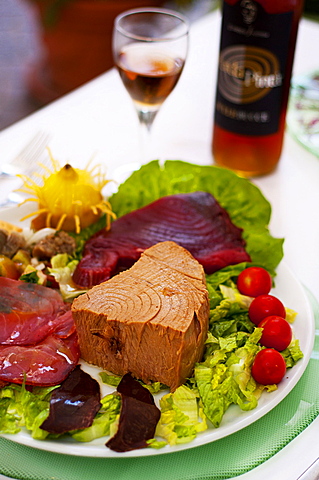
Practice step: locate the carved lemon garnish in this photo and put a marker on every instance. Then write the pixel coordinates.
(68, 198)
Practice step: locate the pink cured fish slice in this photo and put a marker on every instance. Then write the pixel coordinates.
(38, 342)
(30, 312)
(45, 364)
(195, 221)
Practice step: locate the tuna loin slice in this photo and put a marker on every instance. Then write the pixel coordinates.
(195, 221)
(150, 321)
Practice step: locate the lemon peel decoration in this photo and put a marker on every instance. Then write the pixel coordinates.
(68, 198)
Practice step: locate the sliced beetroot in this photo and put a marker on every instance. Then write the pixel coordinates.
(195, 221)
(132, 388)
(74, 404)
(138, 418)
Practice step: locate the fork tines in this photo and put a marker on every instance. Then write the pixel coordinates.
(25, 161)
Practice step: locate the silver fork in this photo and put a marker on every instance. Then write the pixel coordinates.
(25, 161)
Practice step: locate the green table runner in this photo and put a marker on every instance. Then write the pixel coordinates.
(225, 458)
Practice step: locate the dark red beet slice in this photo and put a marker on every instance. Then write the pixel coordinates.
(195, 221)
(138, 418)
(74, 404)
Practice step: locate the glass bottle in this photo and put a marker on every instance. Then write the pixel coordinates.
(257, 46)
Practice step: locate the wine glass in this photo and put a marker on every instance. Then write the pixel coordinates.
(149, 48)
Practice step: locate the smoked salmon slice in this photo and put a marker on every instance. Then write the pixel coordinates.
(195, 221)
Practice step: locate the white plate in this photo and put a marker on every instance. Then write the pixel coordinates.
(292, 294)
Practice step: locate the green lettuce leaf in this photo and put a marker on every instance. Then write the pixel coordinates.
(225, 274)
(292, 353)
(224, 378)
(182, 416)
(86, 233)
(243, 201)
(31, 277)
(22, 408)
(62, 268)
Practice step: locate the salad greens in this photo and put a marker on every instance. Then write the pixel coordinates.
(223, 376)
(20, 407)
(62, 268)
(182, 418)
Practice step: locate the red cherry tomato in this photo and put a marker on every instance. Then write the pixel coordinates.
(254, 281)
(276, 334)
(263, 306)
(269, 367)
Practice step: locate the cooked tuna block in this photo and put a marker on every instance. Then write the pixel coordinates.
(150, 321)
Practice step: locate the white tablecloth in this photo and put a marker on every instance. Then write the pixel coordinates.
(99, 119)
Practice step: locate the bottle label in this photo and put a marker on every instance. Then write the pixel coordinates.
(252, 61)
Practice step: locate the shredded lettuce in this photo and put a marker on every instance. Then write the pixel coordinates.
(290, 315)
(292, 353)
(233, 295)
(20, 407)
(110, 379)
(224, 378)
(182, 416)
(62, 268)
(225, 275)
(154, 443)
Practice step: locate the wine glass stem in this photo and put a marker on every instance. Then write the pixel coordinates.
(146, 121)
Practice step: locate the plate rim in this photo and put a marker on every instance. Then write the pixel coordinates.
(247, 418)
